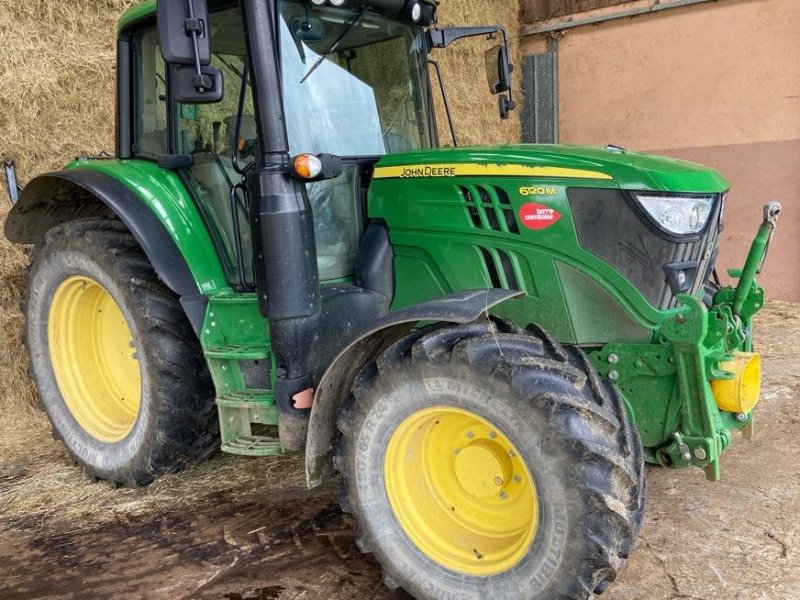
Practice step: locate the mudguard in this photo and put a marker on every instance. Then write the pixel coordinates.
(460, 307)
(152, 205)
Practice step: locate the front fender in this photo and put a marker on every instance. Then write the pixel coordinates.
(460, 307)
(151, 202)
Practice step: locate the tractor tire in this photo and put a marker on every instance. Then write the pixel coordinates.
(119, 370)
(486, 461)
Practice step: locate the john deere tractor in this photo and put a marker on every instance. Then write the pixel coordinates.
(486, 344)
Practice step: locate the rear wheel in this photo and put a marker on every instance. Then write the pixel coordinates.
(484, 461)
(118, 368)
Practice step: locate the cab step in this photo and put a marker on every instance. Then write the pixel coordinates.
(253, 445)
(238, 411)
(259, 405)
(236, 352)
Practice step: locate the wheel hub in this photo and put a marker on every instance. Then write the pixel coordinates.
(94, 359)
(460, 491)
(482, 468)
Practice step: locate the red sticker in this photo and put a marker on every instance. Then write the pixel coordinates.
(538, 216)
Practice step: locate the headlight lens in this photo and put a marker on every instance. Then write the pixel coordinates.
(679, 215)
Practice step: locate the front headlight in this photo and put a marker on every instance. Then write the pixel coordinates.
(678, 215)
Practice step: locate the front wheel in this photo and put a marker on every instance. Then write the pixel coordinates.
(483, 461)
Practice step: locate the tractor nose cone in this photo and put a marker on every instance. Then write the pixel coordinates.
(740, 394)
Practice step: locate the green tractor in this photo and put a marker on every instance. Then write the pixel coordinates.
(487, 344)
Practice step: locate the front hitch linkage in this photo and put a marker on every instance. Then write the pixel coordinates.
(756, 256)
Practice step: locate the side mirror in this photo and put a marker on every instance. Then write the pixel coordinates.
(498, 69)
(183, 84)
(180, 22)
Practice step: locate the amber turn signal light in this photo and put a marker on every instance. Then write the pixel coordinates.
(306, 166)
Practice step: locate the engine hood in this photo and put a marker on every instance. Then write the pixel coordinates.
(593, 166)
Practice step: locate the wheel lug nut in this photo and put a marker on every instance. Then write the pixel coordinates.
(503, 496)
(470, 435)
(498, 481)
(457, 450)
(511, 454)
(492, 435)
(517, 478)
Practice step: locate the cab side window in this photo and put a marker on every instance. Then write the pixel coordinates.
(150, 100)
(208, 133)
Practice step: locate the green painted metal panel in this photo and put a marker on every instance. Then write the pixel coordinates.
(595, 315)
(628, 170)
(164, 193)
(136, 13)
(438, 249)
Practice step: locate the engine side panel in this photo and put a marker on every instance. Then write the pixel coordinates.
(452, 233)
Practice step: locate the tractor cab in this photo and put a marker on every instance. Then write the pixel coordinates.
(353, 82)
(274, 116)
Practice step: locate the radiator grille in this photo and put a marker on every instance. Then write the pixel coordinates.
(609, 227)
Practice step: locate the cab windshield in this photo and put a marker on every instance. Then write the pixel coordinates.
(354, 83)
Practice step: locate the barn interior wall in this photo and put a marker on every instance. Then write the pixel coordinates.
(716, 83)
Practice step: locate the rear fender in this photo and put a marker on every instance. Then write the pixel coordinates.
(161, 217)
(460, 307)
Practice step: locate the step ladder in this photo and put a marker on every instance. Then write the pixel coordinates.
(234, 331)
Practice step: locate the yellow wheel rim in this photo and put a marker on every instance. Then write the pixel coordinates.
(460, 491)
(94, 359)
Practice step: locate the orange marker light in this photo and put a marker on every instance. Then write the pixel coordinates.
(307, 166)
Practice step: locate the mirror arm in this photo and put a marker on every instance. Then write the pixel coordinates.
(445, 100)
(194, 28)
(442, 38)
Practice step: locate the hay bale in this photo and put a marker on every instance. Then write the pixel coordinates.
(474, 108)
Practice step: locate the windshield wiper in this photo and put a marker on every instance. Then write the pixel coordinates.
(354, 21)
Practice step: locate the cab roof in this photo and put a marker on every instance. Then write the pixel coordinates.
(136, 13)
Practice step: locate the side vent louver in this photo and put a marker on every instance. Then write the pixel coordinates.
(500, 269)
(490, 208)
(471, 207)
(508, 212)
(491, 268)
(508, 270)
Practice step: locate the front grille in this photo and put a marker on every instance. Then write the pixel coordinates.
(489, 208)
(609, 227)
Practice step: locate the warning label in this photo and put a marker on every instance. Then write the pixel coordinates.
(538, 216)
